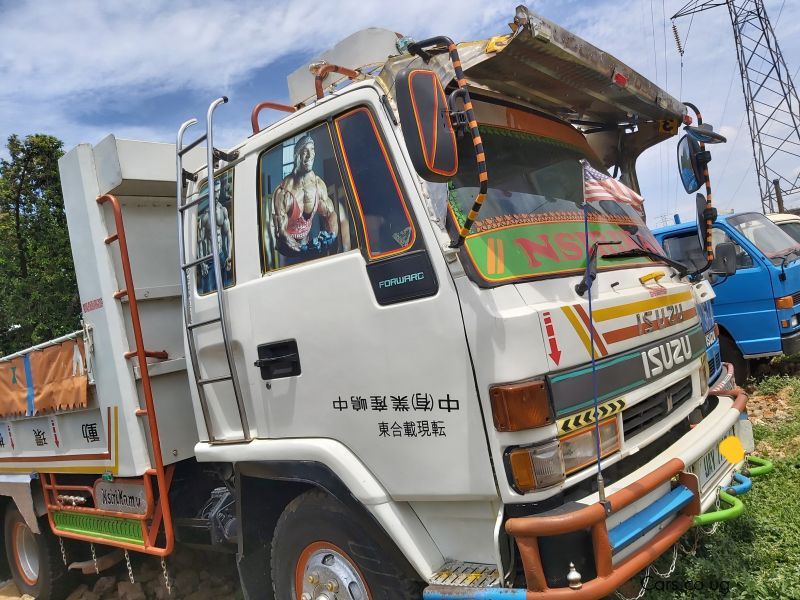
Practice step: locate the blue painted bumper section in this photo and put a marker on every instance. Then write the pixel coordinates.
(636, 526)
(743, 485)
(436, 592)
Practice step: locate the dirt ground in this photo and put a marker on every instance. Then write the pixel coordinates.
(194, 575)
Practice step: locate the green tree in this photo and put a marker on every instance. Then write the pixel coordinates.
(38, 295)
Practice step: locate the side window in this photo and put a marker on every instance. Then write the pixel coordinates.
(387, 222)
(743, 259)
(686, 249)
(302, 201)
(205, 280)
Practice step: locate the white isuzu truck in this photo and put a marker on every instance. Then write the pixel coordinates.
(383, 351)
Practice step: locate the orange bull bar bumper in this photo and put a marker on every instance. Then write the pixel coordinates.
(609, 576)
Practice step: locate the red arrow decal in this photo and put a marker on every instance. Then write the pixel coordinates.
(555, 353)
(55, 433)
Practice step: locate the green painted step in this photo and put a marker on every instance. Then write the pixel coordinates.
(100, 526)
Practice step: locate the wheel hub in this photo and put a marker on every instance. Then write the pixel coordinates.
(328, 575)
(27, 553)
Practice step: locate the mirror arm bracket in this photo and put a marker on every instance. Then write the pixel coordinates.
(458, 118)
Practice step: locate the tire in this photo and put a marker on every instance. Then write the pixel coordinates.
(35, 559)
(730, 353)
(318, 536)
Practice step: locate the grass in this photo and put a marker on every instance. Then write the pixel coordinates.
(757, 555)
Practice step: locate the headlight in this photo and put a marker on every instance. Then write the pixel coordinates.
(580, 449)
(536, 467)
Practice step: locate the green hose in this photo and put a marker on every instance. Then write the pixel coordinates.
(765, 466)
(726, 514)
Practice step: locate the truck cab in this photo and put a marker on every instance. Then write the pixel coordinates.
(756, 307)
(430, 346)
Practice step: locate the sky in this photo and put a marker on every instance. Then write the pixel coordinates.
(82, 69)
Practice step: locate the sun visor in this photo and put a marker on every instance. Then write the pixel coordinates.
(548, 66)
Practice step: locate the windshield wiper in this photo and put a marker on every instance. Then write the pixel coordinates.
(680, 268)
(783, 258)
(591, 268)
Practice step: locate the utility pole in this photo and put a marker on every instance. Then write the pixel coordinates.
(771, 100)
(778, 194)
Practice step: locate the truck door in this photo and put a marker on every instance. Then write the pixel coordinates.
(745, 303)
(353, 331)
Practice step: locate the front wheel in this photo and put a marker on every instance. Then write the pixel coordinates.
(731, 354)
(35, 559)
(319, 550)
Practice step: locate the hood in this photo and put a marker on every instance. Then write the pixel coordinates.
(624, 316)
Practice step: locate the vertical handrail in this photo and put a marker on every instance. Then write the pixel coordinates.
(223, 316)
(187, 315)
(129, 291)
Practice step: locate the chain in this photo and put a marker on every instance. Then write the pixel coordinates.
(693, 550)
(646, 578)
(716, 525)
(167, 583)
(643, 589)
(671, 567)
(94, 559)
(128, 564)
(63, 552)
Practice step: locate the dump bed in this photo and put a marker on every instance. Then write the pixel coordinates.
(83, 395)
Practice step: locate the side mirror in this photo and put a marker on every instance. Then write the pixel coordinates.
(724, 259)
(425, 119)
(692, 159)
(690, 167)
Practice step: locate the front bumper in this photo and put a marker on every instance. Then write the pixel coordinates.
(725, 381)
(645, 515)
(790, 344)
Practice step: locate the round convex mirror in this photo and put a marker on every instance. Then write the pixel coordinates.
(687, 164)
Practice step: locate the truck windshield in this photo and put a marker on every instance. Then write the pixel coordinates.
(531, 224)
(766, 236)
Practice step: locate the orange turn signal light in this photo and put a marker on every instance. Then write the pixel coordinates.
(784, 302)
(519, 406)
(522, 471)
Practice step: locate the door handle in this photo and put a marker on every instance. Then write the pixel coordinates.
(278, 359)
(265, 362)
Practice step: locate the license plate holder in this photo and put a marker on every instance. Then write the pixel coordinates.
(712, 462)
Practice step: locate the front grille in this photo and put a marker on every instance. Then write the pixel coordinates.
(714, 363)
(640, 416)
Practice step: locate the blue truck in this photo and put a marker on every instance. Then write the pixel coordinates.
(757, 307)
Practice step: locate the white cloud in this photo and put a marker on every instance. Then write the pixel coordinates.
(62, 63)
(86, 46)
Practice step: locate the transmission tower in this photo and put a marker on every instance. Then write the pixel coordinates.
(773, 109)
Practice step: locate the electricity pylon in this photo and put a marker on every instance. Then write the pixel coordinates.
(773, 109)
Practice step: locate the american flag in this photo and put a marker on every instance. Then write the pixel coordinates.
(599, 186)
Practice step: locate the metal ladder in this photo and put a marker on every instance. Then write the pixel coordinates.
(187, 265)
